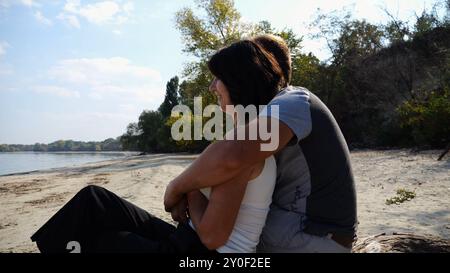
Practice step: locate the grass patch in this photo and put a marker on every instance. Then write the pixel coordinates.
(402, 196)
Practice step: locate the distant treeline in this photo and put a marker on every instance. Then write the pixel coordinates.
(109, 144)
(387, 85)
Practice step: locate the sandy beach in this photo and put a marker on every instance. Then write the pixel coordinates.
(28, 200)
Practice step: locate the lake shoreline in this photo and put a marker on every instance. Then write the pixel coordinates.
(19, 163)
(29, 200)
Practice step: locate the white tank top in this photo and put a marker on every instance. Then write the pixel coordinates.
(253, 211)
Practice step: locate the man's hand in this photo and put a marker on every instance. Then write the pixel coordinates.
(179, 211)
(171, 197)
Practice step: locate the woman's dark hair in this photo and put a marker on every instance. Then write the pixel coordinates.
(278, 47)
(251, 74)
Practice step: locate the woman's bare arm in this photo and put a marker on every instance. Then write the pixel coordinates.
(220, 163)
(214, 219)
(197, 204)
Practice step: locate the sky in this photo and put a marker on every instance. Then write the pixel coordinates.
(83, 70)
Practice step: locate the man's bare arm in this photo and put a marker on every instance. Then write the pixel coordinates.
(220, 162)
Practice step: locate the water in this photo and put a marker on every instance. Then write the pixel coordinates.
(31, 161)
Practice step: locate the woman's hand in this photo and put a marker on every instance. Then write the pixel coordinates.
(172, 197)
(180, 211)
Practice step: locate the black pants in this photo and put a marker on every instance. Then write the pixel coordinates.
(100, 221)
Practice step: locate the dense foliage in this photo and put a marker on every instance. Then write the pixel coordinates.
(386, 85)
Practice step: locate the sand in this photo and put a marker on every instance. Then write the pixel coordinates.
(28, 200)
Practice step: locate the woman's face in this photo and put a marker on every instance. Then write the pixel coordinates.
(221, 91)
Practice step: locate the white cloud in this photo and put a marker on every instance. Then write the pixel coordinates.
(101, 70)
(128, 7)
(72, 5)
(56, 91)
(95, 96)
(128, 108)
(5, 70)
(120, 20)
(27, 3)
(3, 46)
(71, 20)
(42, 19)
(86, 126)
(113, 77)
(98, 13)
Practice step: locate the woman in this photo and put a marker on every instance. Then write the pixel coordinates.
(222, 219)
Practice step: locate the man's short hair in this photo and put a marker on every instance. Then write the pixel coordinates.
(280, 50)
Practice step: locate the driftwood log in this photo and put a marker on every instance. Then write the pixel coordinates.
(401, 243)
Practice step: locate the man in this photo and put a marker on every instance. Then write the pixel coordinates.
(314, 201)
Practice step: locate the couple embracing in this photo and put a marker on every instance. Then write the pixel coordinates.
(236, 197)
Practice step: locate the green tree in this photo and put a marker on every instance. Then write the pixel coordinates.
(305, 67)
(306, 71)
(165, 141)
(171, 98)
(151, 133)
(447, 13)
(38, 147)
(110, 144)
(202, 36)
(130, 140)
(425, 22)
(357, 39)
(292, 40)
(427, 119)
(396, 30)
(149, 124)
(5, 148)
(347, 38)
(218, 26)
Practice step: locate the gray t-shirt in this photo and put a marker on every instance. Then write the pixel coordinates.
(315, 190)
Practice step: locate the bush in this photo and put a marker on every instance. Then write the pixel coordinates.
(402, 196)
(427, 119)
